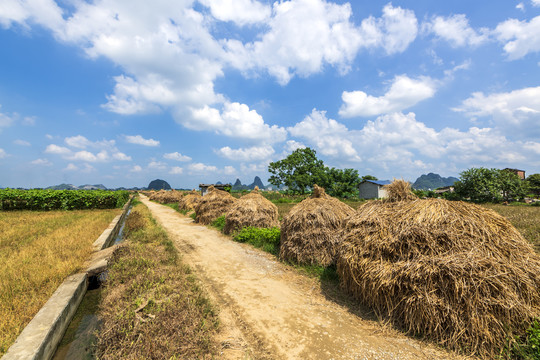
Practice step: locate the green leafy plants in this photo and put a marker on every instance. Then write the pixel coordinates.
(219, 223)
(526, 347)
(266, 239)
(15, 199)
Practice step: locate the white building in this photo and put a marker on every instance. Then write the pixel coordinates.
(372, 189)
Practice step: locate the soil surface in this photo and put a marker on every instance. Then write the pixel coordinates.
(268, 310)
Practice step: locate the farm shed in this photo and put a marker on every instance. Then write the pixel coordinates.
(372, 189)
(204, 187)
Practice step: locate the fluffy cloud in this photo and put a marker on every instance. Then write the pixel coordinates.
(3, 153)
(42, 12)
(535, 2)
(136, 168)
(517, 111)
(201, 169)
(520, 37)
(157, 165)
(238, 121)
(78, 141)
(323, 34)
(403, 93)
(456, 30)
(55, 149)
(85, 168)
(139, 140)
(176, 170)
(241, 12)
(397, 144)
(328, 135)
(121, 156)
(254, 153)
(84, 155)
(42, 162)
(176, 156)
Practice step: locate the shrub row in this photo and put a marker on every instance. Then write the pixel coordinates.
(13, 199)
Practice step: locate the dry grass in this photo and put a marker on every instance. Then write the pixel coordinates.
(399, 190)
(152, 306)
(251, 210)
(38, 250)
(453, 272)
(525, 218)
(166, 197)
(311, 230)
(214, 204)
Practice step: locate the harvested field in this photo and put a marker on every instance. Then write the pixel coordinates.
(38, 251)
(311, 231)
(452, 272)
(213, 205)
(251, 210)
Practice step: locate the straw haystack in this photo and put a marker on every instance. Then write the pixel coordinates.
(166, 197)
(251, 210)
(213, 205)
(189, 201)
(310, 231)
(399, 190)
(453, 272)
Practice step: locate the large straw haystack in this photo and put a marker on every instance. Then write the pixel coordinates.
(189, 201)
(399, 190)
(167, 197)
(213, 205)
(453, 272)
(310, 231)
(251, 210)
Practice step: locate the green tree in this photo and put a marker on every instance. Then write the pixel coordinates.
(368, 177)
(298, 171)
(479, 185)
(342, 183)
(533, 182)
(483, 185)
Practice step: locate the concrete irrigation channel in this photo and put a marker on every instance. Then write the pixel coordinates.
(41, 336)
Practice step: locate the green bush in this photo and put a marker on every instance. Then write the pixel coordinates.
(529, 347)
(14, 199)
(266, 239)
(219, 223)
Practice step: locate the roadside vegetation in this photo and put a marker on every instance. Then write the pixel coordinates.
(38, 250)
(14, 199)
(153, 307)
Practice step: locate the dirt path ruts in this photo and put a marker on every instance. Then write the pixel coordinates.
(268, 311)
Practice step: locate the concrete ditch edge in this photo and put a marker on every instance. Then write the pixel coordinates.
(41, 336)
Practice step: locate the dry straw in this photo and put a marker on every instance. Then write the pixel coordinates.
(213, 205)
(310, 231)
(189, 202)
(166, 197)
(399, 190)
(251, 210)
(453, 272)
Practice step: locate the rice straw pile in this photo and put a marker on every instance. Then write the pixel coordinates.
(399, 190)
(167, 197)
(213, 205)
(310, 231)
(453, 272)
(189, 201)
(251, 210)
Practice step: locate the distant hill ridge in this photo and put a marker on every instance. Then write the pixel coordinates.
(256, 182)
(73, 187)
(433, 181)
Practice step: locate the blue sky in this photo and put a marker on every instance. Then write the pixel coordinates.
(121, 92)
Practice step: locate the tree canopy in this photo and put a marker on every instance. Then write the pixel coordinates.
(302, 169)
(483, 185)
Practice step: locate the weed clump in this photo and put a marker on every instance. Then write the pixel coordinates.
(266, 239)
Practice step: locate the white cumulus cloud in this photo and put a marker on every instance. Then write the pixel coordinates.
(139, 140)
(3, 153)
(43, 162)
(403, 93)
(201, 169)
(519, 37)
(21, 142)
(254, 153)
(176, 170)
(176, 156)
(456, 30)
(55, 149)
(241, 12)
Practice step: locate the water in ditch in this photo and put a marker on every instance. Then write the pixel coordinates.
(80, 337)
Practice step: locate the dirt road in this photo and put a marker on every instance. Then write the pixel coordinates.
(270, 311)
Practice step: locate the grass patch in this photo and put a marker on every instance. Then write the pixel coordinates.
(262, 238)
(219, 223)
(38, 250)
(153, 307)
